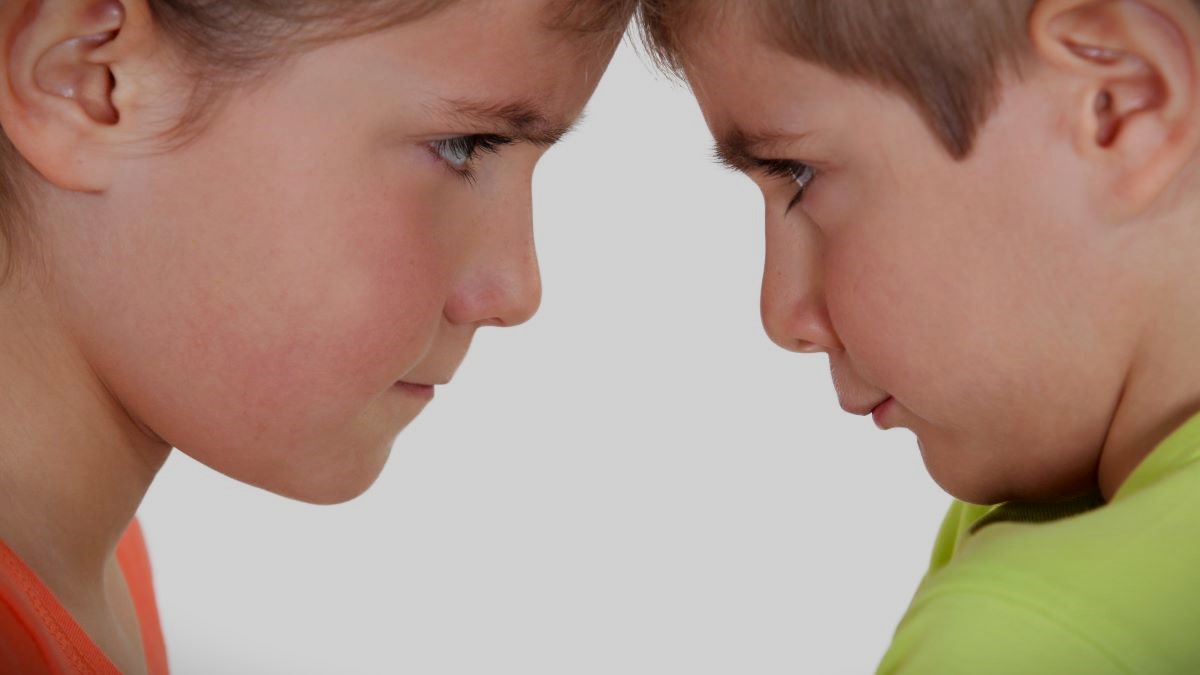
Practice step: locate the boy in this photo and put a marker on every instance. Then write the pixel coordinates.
(258, 232)
(986, 214)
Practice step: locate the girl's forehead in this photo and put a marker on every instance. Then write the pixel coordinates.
(578, 18)
(489, 56)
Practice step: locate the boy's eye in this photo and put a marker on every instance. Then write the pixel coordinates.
(798, 172)
(459, 152)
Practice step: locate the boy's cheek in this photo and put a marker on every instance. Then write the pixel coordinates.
(871, 307)
(903, 324)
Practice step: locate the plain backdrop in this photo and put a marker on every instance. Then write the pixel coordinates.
(637, 481)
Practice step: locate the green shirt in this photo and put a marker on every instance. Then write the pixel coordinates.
(1077, 587)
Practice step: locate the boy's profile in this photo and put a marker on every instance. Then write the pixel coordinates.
(987, 215)
(260, 232)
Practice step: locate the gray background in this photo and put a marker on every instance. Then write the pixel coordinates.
(638, 481)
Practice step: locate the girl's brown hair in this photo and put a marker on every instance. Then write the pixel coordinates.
(226, 45)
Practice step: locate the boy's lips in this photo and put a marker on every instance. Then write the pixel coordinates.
(880, 412)
(864, 409)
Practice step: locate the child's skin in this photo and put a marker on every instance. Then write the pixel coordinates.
(252, 298)
(1032, 311)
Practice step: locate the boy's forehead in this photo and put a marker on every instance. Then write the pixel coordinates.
(681, 32)
(727, 57)
(761, 102)
(753, 92)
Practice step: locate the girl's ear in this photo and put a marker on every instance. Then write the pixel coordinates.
(75, 73)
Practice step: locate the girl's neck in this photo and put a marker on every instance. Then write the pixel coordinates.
(73, 465)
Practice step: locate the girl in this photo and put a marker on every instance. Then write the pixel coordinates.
(261, 232)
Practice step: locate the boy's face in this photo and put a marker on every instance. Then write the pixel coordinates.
(982, 297)
(275, 298)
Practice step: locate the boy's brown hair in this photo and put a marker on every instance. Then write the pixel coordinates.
(945, 56)
(227, 44)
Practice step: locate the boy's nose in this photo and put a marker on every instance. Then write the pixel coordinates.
(794, 312)
(799, 325)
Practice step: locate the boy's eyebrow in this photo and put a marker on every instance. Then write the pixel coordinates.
(736, 148)
(523, 120)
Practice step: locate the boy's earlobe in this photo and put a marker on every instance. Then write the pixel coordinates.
(1132, 70)
(60, 86)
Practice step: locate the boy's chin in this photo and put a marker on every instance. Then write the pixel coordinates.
(949, 475)
(987, 475)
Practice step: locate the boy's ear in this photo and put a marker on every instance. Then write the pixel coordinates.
(1135, 107)
(66, 73)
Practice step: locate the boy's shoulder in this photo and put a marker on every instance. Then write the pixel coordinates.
(1071, 587)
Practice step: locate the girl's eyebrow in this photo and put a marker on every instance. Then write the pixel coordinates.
(523, 120)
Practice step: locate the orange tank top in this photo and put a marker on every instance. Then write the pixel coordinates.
(39, 637)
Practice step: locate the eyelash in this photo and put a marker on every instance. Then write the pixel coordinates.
(468, 147)
(800, 173)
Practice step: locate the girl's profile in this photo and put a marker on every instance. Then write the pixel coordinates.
(261, 233)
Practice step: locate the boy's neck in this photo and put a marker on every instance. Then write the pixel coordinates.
(1162, 388)
(1158, 399)
(73, 465)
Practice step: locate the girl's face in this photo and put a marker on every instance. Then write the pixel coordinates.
(278, 298)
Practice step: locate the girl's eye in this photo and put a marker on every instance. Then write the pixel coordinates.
(461, 151)
(798, 172)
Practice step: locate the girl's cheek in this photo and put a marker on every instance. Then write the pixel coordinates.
(392, 296)
(357, 303)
